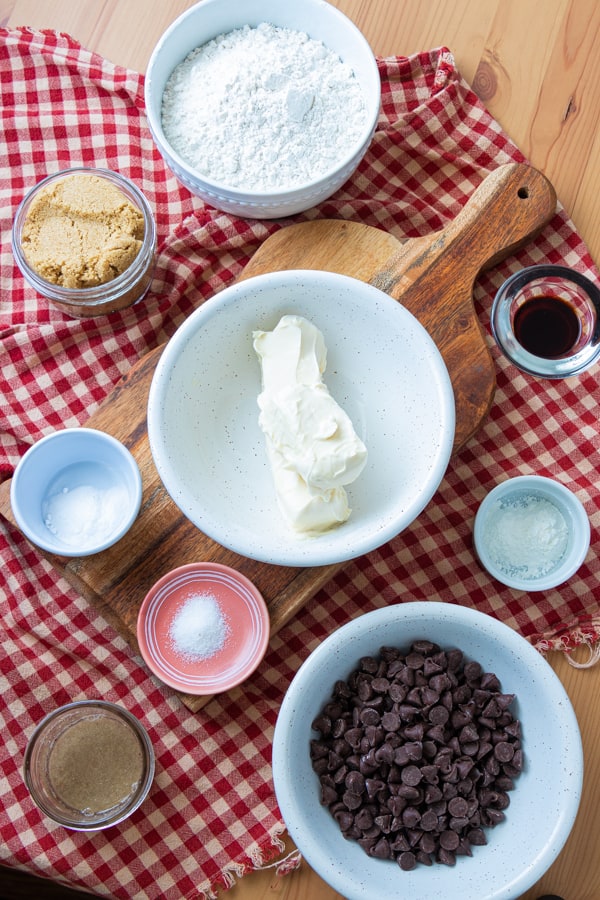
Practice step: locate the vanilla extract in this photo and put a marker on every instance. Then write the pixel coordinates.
(547, 326)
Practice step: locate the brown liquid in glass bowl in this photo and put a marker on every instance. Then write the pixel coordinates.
(547, 326)
(96, 765)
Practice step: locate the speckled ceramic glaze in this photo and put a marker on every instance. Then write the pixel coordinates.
(543, 804)
(382, 368)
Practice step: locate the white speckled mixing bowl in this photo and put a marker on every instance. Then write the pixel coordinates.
(543, 804)
(383, 369)
(210, 18)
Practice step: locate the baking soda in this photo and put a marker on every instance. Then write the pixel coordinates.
(199, 628)
(263, 108)
(84, 515)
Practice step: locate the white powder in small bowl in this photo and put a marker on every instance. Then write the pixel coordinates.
(84, 515)
(199, 629)
(526, 535)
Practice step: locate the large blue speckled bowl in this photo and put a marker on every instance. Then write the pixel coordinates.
(543, 804)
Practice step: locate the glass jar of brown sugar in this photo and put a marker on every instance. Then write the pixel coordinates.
(85, 239)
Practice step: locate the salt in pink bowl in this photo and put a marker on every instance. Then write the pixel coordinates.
(243, 609)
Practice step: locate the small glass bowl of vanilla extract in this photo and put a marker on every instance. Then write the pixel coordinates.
(546, 320)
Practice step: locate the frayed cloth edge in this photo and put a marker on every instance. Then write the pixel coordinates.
(583, 635)
(259, 859)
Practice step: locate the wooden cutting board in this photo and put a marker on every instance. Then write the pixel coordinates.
(432, 276)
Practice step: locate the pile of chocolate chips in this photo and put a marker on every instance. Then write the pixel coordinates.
(416, 754)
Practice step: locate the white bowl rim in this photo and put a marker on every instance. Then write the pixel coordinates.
(219, 190)
(304, 834)
(550, 488)
(45, 542)
(295, 553)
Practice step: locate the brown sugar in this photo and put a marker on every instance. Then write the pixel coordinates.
(81, 232)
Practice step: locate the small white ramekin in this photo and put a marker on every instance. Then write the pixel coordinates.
(519, 489)
(69, 460)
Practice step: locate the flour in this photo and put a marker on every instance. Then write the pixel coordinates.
(526, 536)
(263, 109)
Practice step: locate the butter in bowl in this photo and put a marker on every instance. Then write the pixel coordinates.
(382, 369)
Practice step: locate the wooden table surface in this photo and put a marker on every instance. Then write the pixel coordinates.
(536, 66)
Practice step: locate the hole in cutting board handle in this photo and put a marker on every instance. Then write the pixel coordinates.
(523, 192)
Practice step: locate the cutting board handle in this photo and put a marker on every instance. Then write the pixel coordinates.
(510, 206)
(434, 278)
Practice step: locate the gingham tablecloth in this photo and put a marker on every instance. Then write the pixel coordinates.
(212, 813)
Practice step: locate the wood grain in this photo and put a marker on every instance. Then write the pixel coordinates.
(536, 66)
(432, 276)
(116, 581)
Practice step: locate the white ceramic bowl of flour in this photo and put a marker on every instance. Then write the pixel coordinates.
(76, 492)
(531, 533)
(281, 125)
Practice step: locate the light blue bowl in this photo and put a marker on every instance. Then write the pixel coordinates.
(525, 489)
(543, 805)
(76, 492)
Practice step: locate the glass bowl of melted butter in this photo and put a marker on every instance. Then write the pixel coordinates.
(88, 765)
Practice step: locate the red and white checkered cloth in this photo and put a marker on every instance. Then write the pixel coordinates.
(212, 814)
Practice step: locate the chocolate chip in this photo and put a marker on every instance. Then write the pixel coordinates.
(355, 782)
(504, 751)
(447, 857)
(458, 806)
(381, 850)
(416, 754)
(429, 821)
(477, 837)
(390, 721)
(407, 860)
(369, 716)
(352, 800)
(411, 775)
(438, 715)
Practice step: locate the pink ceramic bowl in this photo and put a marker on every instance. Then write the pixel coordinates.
(242, 614)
